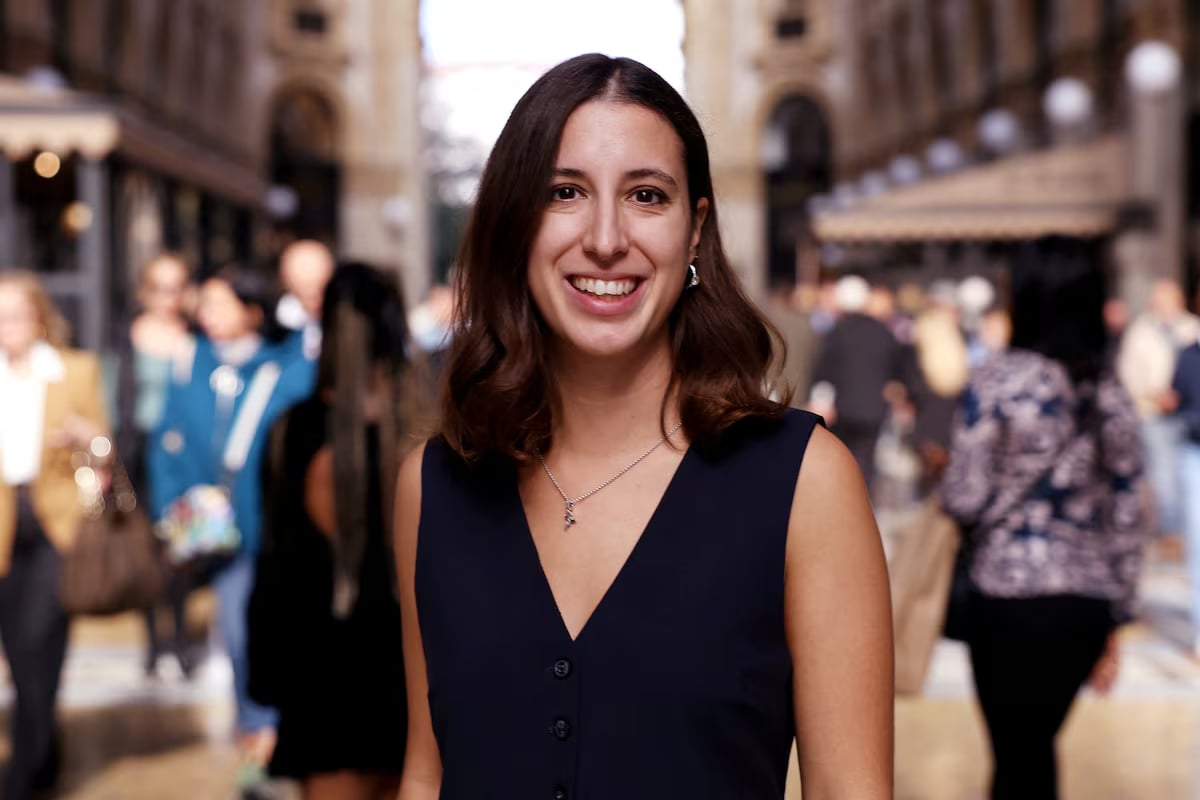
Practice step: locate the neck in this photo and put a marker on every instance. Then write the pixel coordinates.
(613, 404)
(236, 352)
(20, 362)
(163, 318)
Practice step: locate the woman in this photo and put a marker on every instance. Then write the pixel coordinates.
(1044, 472)
(50, 409)
(325, 645)
(158, 336)
(626, 585)
(236, 383)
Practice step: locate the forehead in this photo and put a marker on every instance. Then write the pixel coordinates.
(166, 265)
(621, 136)
(215, 288)
(305, 260)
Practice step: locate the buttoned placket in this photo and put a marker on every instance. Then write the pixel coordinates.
(561, 679)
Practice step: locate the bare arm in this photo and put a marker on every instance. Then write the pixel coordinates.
(839, 630)
(422, 777)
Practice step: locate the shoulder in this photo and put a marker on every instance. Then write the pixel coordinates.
(831, 515)
(408, 498)
(78, 365)
(1017, 371)
(829, 475)
(756, 447)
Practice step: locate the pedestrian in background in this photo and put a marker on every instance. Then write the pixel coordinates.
(325, 644)
(158, 337)
(241, 355)
(1043, 477)
(1146, 364)
(1185, 401)
(860, 358)
(936, 373)
(571, 633)
(51, 408)
(305, 267)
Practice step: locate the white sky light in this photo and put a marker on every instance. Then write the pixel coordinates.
(483, 54)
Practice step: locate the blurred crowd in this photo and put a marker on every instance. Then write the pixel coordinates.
(247, 406)
(239, 405)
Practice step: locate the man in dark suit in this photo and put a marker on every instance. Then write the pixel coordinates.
(858, 359)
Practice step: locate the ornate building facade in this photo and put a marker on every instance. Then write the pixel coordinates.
(214, 127)
(921, 129)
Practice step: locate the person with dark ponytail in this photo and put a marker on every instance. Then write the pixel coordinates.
(325, 645)
(1044, 477)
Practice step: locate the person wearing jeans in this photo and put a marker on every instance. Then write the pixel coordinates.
(1186, 386)
(238, 383)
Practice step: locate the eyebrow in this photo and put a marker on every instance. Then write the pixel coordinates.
(644, 172)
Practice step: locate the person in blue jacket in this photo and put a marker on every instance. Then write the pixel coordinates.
(224, 397)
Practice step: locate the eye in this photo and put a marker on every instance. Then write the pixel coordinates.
(564, 194)
(648, 197)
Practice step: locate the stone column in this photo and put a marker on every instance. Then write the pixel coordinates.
(1153, 71)
(8, 214)
(92, 191)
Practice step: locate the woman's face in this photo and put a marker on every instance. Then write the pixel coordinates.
(222, 316)
(610, 257)
(19, 323)
(164, 288)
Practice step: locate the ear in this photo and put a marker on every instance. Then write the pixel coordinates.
(698, 218)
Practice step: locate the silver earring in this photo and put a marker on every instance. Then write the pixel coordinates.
(693, 278)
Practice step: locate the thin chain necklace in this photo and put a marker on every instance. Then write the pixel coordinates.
(569, 516)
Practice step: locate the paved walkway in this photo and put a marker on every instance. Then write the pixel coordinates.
(129, 738)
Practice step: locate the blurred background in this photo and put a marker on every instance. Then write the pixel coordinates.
(914, 144)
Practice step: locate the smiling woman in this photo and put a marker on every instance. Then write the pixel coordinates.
(571, 632)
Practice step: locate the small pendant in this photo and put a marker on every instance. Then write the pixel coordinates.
(569, 517)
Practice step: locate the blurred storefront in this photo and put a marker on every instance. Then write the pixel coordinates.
(89, 191)
(214, 128)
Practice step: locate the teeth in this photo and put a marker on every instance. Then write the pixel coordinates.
(604, 288)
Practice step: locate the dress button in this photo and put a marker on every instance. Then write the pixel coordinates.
(562, 729)
(560, 794)
(562, 668)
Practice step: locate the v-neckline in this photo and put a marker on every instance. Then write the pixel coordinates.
(638, 545)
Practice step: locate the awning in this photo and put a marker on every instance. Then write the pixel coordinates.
(1077, 190)
(59, 121)
(65, 122)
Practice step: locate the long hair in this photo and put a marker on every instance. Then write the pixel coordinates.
(500, 393)
(1057, 299)
(53, 326)
(365, 345)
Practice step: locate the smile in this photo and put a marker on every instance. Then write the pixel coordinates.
(600, 288)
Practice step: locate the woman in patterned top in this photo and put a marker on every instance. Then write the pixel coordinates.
(1044, 477)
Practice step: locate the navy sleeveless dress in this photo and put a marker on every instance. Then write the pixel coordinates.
(680, 683)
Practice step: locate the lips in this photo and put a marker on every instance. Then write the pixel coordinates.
(604, 288)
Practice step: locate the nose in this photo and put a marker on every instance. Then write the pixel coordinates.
(605, 238)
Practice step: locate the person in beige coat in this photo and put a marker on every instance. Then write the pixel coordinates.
(51, 408)
(1145, 364)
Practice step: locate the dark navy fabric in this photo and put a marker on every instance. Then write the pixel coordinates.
(679, 685)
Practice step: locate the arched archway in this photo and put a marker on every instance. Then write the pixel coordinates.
(305, 158)
(797, 161)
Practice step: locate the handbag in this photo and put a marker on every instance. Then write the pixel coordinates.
(921, 573)
(115, 564)
(199, 528)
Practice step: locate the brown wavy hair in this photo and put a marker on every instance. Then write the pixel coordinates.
(499, 394)
(54, 328)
